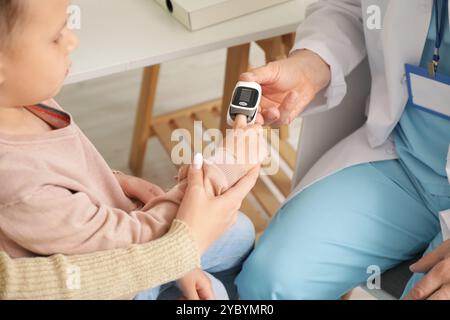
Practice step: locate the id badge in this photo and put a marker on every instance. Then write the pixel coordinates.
(447, 168)
(430, 94)
(444, 218)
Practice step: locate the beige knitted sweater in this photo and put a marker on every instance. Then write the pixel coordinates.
(103, 275)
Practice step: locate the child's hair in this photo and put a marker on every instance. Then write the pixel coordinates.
(9, 13)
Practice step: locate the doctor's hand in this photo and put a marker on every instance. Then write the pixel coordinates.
(289, 85)
(435, 285)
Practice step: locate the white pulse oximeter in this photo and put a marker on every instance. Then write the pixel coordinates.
(245, 100)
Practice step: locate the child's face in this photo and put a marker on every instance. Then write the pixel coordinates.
(34, 66)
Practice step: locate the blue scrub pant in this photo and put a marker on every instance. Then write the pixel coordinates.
(321, 243)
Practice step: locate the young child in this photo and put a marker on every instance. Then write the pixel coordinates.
(58, 195)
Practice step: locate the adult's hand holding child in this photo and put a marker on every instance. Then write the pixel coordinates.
(207, 216)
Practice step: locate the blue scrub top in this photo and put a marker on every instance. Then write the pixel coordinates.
(422, 139)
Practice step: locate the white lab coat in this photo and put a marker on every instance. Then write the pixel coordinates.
(338, 32)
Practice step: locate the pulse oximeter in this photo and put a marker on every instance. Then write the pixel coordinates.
(245, 100)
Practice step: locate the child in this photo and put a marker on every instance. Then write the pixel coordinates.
(58, 194)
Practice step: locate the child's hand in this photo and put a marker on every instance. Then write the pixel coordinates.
(247, 142)
(137, 188)
(196, 286)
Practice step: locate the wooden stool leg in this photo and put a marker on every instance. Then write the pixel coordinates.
(237, 63)
(143, 121)
(274, 48)
(289, 41)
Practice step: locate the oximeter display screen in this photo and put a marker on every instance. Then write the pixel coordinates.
(245, 97)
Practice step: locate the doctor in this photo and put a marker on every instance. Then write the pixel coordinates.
(382, 195)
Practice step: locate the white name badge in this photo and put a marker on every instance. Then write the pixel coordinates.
(432, 94)
(447, 168)
(444, 218)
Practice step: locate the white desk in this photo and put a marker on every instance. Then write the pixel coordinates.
(120, 35)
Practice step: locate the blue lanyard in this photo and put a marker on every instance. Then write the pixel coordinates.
(440, 27)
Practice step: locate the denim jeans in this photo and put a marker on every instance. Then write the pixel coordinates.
(222, 262)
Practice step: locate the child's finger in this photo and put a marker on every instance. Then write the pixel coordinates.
(204, 288)
(205, 291)
(190, 292)
(240, 121)
(156, 190)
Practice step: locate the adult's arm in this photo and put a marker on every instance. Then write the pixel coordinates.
(334, 30)
(103, 275)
